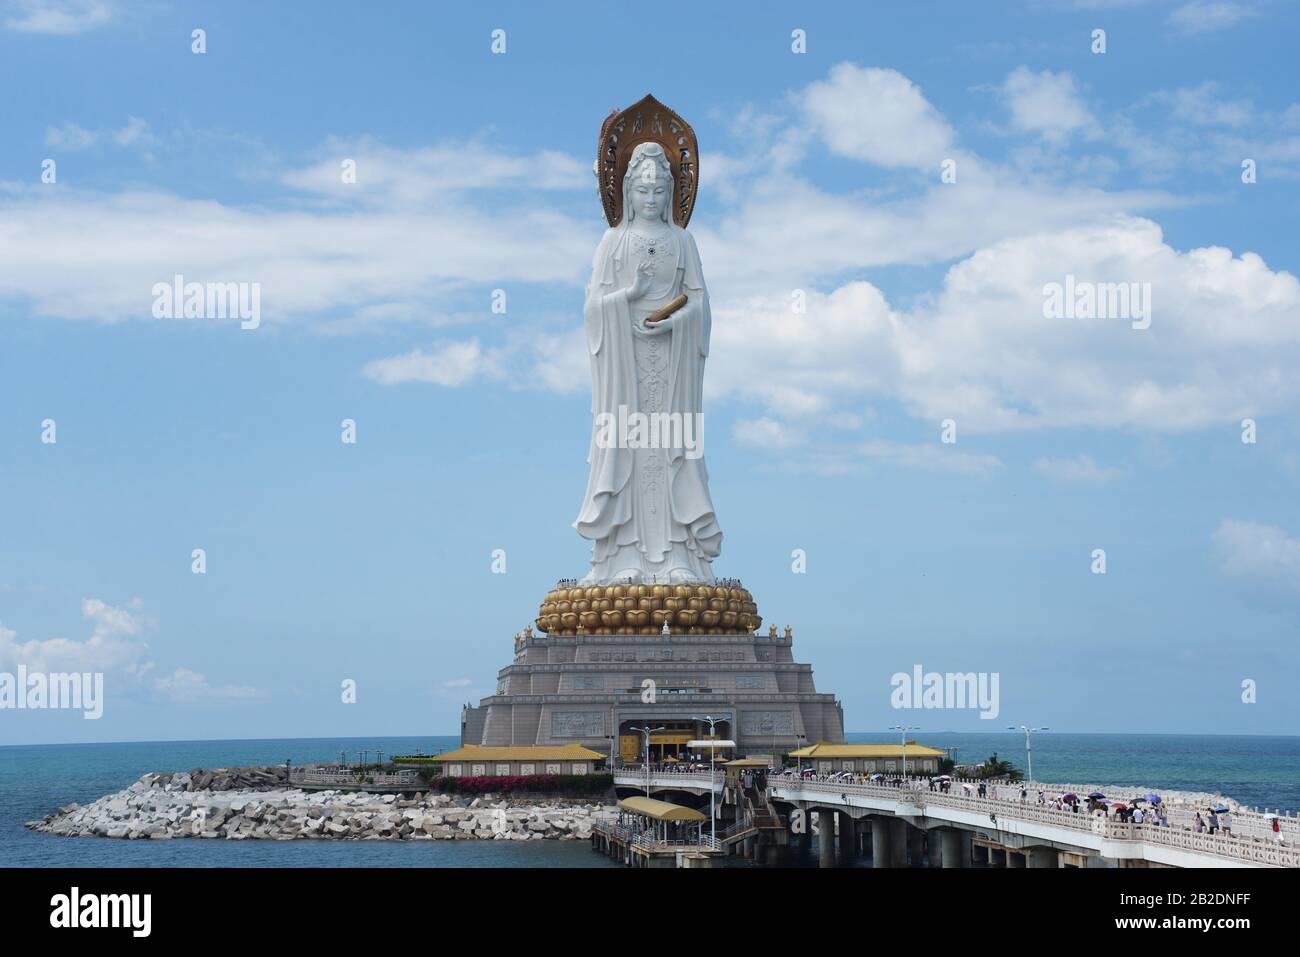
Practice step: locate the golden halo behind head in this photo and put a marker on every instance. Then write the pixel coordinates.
(642, 122)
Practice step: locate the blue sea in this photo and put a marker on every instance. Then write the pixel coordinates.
(1261, 771)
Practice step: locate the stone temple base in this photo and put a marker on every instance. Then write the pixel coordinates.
(605, 669)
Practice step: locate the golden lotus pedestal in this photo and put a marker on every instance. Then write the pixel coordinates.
(637, 609)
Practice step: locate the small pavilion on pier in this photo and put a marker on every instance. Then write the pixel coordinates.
(662, 822)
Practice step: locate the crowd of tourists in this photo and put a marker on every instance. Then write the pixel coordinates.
(1148, 811)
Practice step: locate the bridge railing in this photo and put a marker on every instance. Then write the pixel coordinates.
(652, 843)
(742, 824)
(1240, 847)
(648, 841)
(1024, 812)
(1217, 845)
(1245, 822)
(630, 777)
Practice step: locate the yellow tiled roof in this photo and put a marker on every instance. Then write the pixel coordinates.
(529, 752)
(660, 810)
(824, 750)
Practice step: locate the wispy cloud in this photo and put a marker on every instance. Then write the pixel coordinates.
(1081, 469)
(1207, 16)
(64, 17)
(765, 433)
(116, 649)
(1265, 559)
(184, 686)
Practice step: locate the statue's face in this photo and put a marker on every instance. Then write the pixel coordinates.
(649, 192)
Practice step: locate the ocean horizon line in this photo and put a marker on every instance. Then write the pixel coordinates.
(889, 734)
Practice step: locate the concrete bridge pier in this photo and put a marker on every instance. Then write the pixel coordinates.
(997, 856)
(953, 855)
(801, 840)
(897, 842)
(915, 846)
(825, 838)
(880, 841)
(934, 847)
(1042, 857)
(848, 839)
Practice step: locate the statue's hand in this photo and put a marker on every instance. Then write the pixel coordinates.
(668, 322)
(645, 273)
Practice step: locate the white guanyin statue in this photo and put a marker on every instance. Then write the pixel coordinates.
(647, 510)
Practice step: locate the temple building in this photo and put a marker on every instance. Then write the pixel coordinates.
(825, 757)
(623, 660)
(475, 761)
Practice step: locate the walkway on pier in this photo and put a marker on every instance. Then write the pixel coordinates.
(1010, 823)
(693, 782)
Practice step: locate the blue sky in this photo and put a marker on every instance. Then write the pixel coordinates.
(820, 172)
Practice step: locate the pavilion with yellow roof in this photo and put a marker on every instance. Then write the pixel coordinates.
(474, 760)
(827, 758)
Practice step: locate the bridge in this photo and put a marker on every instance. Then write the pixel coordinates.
(905, 822)
(660, 779)
(902, 820)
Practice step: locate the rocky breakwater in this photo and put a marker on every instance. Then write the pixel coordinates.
(254, 803)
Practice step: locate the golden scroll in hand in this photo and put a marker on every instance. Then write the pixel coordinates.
(661, 314)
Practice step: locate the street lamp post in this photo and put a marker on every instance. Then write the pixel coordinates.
(903, 729)
(1029, 751)
(713, 751)
(647, 731)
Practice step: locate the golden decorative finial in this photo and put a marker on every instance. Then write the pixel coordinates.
(528, 631)
(789, 632)
(771, 631)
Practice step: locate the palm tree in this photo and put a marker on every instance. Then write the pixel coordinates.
(994, 768)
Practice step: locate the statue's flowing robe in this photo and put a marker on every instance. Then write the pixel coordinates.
(620, 509)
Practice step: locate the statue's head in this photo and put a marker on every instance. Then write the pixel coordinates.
(648, 184)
